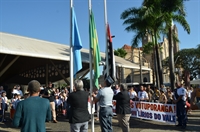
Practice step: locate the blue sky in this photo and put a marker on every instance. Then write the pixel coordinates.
(49, 20)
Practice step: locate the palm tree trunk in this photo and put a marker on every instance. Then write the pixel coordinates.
(155, 64)
(153, 68)
(132, 70)
(156, 69)
(158, 61)
(171, 59)
(140, 63)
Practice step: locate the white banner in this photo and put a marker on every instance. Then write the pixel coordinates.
(153, 111)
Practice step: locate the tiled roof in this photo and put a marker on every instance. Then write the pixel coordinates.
(126, 46)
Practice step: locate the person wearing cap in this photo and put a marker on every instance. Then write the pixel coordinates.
(79, 114)
(105, 97)
(32, 112)
(123, 108)
(180, 95)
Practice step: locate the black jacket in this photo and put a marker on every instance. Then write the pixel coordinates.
(78, 102)
(123, 103)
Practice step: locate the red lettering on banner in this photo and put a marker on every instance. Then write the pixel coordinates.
(155, 107)
(138, 105)
(148, 106)
(170, 109)
(151, 106)
(162, 108)
(166, 108)
(159, 109)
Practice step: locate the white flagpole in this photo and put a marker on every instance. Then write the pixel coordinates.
(106, 22)
(71, 49)
(91, 76)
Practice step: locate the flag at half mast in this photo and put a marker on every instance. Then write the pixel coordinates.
(109, 68)
(77, 45)
(94, 46)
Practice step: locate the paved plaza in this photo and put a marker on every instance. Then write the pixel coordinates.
(137, 125)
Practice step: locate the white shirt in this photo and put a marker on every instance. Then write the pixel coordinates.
(132, 94)
(142, 95)
(182, 91)
(20, 92)
(5, 99)
(15, 91)
(116, 91)
(58, 102)
(189, 93)
(15, 103)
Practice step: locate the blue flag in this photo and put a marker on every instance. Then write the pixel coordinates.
(76, 43)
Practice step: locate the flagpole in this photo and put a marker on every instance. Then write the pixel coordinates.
(91, 75)
(71, 49)
(106, 22)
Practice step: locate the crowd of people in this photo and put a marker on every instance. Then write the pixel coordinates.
(158, 95)
(54, 101)
(183, 97)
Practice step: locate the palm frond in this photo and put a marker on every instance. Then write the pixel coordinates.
(182, 21)
(129, 12)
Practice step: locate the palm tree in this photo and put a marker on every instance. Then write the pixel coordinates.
(174, 11)
(142, 21)
(151, 18)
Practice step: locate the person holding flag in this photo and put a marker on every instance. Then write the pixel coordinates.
(105, 94)
(105, 97)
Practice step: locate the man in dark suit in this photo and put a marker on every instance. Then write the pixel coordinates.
(78, 101)
(123, 109)
(32, 112)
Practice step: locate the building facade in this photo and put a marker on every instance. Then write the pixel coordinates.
(133, 55)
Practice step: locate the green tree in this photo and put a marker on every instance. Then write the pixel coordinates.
(174, 11)
(142, 21)
(154, 17)
(120, 52)
(188, 60)
(198, 50)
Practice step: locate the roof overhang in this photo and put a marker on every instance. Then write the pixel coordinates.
(34, 54)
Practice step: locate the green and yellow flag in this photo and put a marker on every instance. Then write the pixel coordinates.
(94, 46)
